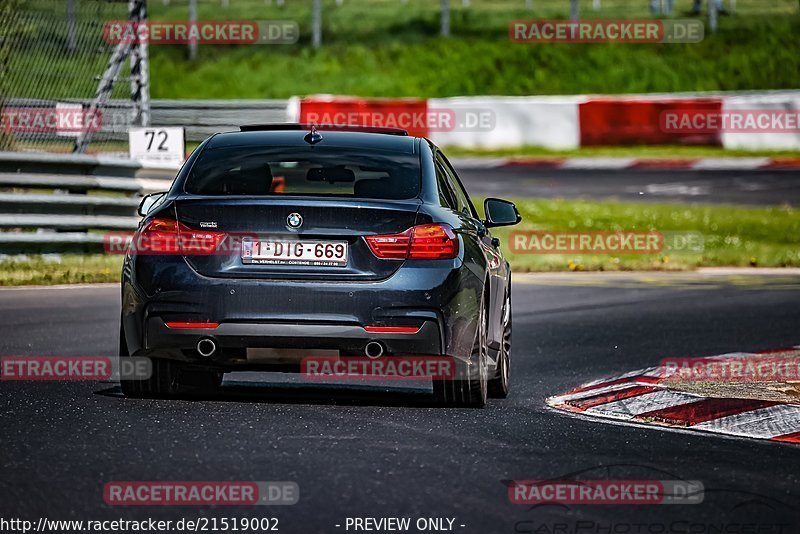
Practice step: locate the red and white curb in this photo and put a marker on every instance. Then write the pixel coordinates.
(640, 397)
(653, 164)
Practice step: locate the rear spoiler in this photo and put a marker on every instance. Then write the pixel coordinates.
(285, 127)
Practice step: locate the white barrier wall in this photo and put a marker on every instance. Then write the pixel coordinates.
(550, 122)
(782, 101)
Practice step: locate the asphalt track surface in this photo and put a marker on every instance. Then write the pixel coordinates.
(376, 451)
(749, 187)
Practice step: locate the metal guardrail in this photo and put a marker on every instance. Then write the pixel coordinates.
(200, 118)
(56, 203)
(40, 162)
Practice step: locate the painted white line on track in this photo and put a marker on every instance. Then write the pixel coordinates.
(730, 164)
(61, 286)
(598, 163)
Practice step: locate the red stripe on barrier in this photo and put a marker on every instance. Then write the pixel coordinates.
(794, 437)
(535, 162)
(704, 410)
(664, 163)
(605, 398)
(409, 114)
(638, 122)
(783, 163)
(626, 380)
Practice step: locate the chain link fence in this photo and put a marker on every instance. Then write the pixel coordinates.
(53, 57)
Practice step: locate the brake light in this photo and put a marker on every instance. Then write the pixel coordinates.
(186, 324)
(167, 236)
(421, 242)
(393, 329)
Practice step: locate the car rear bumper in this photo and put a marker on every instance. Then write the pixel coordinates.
(440, 298)
(343, 337)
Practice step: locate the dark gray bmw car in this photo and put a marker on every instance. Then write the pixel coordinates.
(289, 238)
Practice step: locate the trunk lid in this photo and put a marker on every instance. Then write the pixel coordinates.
(245, 220)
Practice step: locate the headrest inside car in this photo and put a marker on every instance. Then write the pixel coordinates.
(330, 175)
(250, 180)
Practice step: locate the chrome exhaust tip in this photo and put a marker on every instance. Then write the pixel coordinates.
(374, 349)
(206, 347)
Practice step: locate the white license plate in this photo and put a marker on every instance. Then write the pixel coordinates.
(293, 252)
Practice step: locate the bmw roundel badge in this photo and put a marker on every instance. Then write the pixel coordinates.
(294, 220)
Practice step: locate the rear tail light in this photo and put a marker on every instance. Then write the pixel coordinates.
(168, 236)
(191, 324)
(393, 329)
(421, 242)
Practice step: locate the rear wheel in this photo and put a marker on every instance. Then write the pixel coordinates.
(499, 385)
(473, 391)
(169, 378)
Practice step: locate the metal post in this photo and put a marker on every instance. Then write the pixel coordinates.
(596, 5)
(575, 10)
(192, 21)
(445, 18)
(71, 33)
(712, 15)
(103, 92)
(528, 4)
(316, 23)
(140, 67)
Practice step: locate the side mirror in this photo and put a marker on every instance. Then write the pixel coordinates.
(149, 202)
(500, 213)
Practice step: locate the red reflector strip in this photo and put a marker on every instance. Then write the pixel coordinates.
(192, 325)
(392, 329)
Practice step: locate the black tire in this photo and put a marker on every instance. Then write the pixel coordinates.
(169, 378)
(500, 384)
(472, 392)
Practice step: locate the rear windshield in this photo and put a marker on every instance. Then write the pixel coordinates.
(316, 171)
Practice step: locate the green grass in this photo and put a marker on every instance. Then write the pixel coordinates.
(411, 60)
(387, 48)
(59, 269)
(733, 236)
